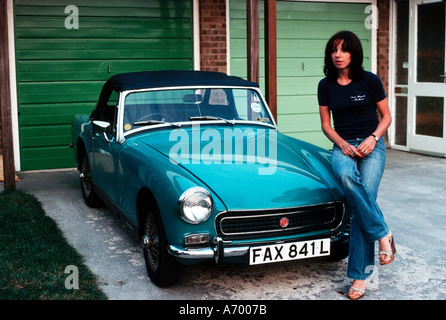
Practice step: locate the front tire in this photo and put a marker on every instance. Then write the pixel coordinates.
(163, 269)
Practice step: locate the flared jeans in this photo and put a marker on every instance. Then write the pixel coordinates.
(360, 178)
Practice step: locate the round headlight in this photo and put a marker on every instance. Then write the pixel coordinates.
(195, 205)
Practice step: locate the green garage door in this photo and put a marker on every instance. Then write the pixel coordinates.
(65, 54)
(303, 29)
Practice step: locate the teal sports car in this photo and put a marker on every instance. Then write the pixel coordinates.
(194, 163)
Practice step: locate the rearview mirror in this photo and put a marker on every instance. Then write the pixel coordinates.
(195, 98)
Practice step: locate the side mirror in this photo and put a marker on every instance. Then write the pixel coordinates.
(100, 126)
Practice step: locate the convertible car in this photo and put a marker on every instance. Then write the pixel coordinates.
(194, 162)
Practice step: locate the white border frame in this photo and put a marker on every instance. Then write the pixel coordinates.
(411, 86)
(417, 142)
(196, 34)
(392, 78)
(13, 85)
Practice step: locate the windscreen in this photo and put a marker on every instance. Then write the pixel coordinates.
(145, 108)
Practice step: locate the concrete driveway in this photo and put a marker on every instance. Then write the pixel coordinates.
(412, 197)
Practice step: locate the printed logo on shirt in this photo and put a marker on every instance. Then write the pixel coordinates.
(358, 97)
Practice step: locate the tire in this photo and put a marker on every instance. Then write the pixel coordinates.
(163, 269)
(90, 197)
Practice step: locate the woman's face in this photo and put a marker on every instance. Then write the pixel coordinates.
(341, 59)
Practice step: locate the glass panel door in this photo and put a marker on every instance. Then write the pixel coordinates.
(430, 42)
(427, 88)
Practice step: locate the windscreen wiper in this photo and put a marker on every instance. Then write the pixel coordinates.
(150, 122)
(198, 118)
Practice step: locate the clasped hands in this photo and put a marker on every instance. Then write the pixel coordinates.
(361, 151)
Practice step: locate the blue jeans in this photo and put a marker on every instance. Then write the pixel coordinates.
(360, 178)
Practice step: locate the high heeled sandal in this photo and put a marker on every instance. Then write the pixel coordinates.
(390, 253)
(353, 289)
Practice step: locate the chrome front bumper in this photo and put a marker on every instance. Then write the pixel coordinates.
(215, 251)
(218, 251)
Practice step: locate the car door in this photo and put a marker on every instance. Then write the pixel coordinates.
(105, 148)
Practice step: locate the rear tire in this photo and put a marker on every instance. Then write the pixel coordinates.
(163, 269)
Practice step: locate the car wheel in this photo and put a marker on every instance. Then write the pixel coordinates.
(90, 197)
(163, 269)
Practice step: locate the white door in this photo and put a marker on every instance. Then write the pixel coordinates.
(427, 82)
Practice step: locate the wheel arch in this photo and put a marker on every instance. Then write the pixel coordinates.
(80, 150)
(144, 200)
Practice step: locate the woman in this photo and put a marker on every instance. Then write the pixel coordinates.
(353, 96)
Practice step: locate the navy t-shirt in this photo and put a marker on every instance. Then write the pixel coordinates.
(354, 105)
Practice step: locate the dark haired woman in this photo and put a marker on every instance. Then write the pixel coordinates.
(353, 96)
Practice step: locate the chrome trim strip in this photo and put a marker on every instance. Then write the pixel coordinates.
(341, 220)
(282, 208)
(207, 253)
(186, 253)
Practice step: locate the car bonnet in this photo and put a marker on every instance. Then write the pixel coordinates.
(257, 169)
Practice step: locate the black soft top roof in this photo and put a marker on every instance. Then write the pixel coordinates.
(173, 78)
(170, 78)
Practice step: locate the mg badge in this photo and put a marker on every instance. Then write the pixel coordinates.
(284, 222)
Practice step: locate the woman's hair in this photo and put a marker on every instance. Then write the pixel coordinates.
(351, 44)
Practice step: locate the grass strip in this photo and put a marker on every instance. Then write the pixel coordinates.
(34, 255)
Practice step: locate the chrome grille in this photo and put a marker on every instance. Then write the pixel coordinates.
(239, 225)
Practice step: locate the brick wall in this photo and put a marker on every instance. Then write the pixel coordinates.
(1, 140)
(213, 35)
(383, 47)
(383, 43)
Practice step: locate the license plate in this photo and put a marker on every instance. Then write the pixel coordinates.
(289, 251)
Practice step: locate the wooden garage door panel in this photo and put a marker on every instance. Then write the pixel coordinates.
(303, 29)
(82, 69)
(60, 71)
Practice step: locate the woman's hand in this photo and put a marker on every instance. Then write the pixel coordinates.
(349, 150)
(366, 146)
